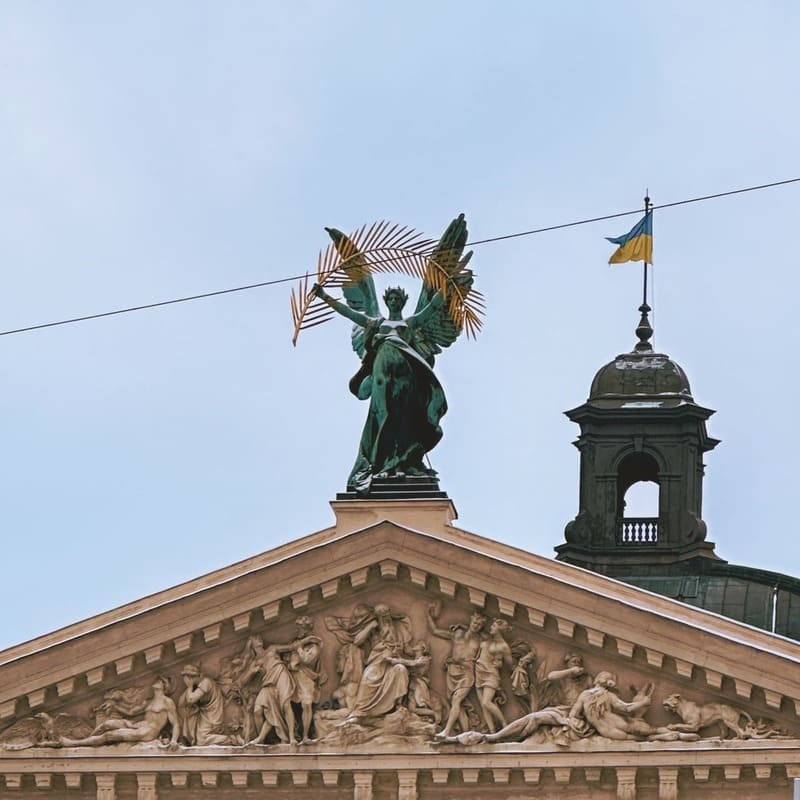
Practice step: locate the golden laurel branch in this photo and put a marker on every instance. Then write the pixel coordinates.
(384, 247)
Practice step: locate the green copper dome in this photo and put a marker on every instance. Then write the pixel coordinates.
(641, 378)
(641, 374)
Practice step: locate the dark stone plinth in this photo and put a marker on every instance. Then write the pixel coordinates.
(415, 487)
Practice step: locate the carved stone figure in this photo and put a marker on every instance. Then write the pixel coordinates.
(384, 682)
(563, 686)
(289, 673)
(422, 701)
(308, 677)
(524, 689)
(517, 731)
(558, 689)
(493, 654)
(596, 711)
(350, 656)
(406, 400)
(273, 703)
(159, 712)
(42, 729)
(465, 641)
(695, 717)
(614, 718)
(238, 698)
(370, 684)
(202, 710)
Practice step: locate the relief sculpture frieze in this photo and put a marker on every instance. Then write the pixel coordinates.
(390, 671)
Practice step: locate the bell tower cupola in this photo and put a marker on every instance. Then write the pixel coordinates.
(642, 441)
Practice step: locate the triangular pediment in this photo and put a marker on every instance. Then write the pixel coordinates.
(427, 578)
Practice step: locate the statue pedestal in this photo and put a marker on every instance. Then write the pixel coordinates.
(420, 514)
(421, 487)
(414, 501)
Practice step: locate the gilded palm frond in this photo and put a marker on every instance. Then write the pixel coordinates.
(385, 247)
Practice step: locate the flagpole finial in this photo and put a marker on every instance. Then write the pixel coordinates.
(644, 330)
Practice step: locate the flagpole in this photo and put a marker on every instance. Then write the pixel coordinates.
(647, 206)
(644, 330)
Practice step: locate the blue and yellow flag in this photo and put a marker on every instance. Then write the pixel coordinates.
(636, 244)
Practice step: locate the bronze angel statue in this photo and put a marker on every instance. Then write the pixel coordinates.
(396, 377)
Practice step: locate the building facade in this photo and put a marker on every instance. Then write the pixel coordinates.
(361, 639)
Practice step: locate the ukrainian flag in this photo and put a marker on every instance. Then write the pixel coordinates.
(636, 244)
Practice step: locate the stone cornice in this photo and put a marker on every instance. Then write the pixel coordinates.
(727, 763)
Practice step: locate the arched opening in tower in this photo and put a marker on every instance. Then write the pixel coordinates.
(638, 499)
(641, 500)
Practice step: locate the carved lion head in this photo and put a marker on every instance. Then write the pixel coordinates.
(672, 702)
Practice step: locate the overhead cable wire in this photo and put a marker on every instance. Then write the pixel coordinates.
(630, 213)
(151, 305)
(490, 240)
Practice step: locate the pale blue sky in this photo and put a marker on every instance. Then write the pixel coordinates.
(152, 149)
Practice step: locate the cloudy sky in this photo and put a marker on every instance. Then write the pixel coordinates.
(152, 150)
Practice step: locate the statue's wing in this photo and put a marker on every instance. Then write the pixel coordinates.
(24, 733)
(358, 287)
(447, 271)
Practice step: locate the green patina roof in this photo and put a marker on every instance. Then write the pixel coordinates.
(763, 599)
(652, 375)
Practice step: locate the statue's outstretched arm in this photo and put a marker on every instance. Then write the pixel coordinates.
(568, 672)
(440, 632)
(433, 614)
(629, 708)
(621, 706)
(355, 316)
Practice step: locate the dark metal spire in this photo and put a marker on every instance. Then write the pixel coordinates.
(644, 330)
